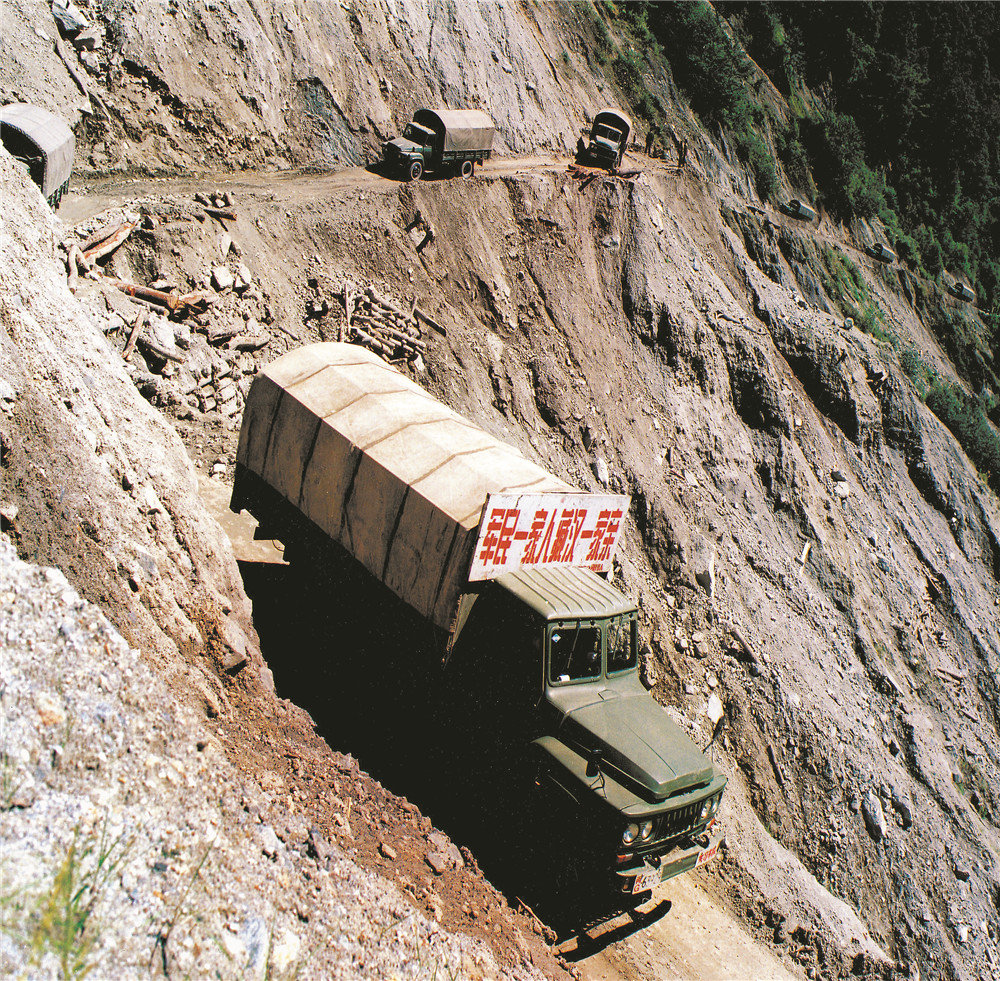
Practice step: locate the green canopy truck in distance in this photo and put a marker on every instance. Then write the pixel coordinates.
(502, 558)
(440, 139)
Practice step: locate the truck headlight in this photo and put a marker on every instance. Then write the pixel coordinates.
(630, 834)
(645, 830)
(709, 808)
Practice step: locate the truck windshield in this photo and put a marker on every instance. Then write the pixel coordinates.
(574, 653)
(621, 644)
(607, 133)
(416, 133)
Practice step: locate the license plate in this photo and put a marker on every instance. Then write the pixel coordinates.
(707, 854)
(646, 881)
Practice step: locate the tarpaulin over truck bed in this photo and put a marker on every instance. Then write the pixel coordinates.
(382, 467)
(462, 129)
(32, 131)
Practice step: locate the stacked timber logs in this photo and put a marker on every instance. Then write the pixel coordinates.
(380, 325)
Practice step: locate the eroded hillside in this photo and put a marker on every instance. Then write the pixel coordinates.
(806, 540)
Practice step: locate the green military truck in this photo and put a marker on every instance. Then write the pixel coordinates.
(609, 135)
(507, 563)
(441, 139)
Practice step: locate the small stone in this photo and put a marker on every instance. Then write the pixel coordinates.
(387, 851)
(438, 861)
(270, 844)
(962, 873)
(222, 278)
(50, 710)
(871, 810)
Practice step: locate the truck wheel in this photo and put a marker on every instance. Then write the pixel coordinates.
(416, 169)
(467, 169)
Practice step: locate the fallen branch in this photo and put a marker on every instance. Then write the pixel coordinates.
(158, 297)
(101, 235)
(133, 334)
(74, 74)
(76, 263)
(108, 245)
(420, 315)
(164, 354)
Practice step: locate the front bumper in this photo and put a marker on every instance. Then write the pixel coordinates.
(656, 869)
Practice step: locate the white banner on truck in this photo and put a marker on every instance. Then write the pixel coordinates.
(532, 530)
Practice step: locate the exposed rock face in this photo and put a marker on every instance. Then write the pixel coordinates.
(658, 336)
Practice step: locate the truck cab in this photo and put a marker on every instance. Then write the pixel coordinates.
(411, 151)
(602, 750)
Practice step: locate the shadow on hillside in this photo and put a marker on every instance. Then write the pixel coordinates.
(368, 671)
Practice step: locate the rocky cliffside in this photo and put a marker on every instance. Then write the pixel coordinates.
(807, 541)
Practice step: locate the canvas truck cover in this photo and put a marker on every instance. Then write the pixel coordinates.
(400, 480)
(462, 129)
(615, 119)
(48, 134)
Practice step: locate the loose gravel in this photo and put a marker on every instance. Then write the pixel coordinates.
(128, 852)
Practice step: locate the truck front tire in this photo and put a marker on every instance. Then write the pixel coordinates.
(467, 169)
(416, 169)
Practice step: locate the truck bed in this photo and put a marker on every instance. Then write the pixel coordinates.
(380, 466)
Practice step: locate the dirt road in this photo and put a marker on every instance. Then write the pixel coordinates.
(687, 937)
(86, 199)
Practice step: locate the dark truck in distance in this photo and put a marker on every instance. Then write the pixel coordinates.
(798, 209)
(439, 139)
(609, 135)
(882, 252)
(539, 652)
(961, 291)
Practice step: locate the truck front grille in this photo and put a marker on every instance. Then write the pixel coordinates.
(677, 822)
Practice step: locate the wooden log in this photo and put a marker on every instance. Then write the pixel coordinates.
(111, 243)
(430, 321)
(134, 333)
(378, 345)
(102, 234)
(158, 297)
(199, 301)
(75, 262)
(406, 339)
(164, 354)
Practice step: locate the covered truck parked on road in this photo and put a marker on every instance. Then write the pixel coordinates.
(508, 564)
(440, 139)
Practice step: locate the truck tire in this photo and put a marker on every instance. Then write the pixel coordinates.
(467, 169)
(416, 169)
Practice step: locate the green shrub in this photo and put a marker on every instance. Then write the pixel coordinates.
(915, 369)
(968, 422)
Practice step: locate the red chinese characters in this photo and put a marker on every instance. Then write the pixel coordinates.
(539, 530)
(604, 536)
(499, 535)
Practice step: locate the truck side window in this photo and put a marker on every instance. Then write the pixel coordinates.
(621, 645)
(574, 653)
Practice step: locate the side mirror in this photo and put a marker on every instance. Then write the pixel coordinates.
(594, 762)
